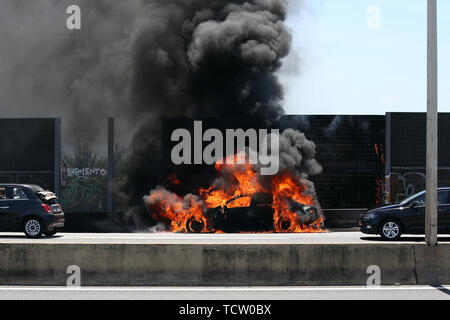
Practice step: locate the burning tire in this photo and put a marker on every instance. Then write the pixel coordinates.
(285, 225)
(194, 225)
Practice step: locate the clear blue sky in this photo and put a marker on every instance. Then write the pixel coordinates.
(341, 66)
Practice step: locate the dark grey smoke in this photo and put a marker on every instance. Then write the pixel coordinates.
(142, 60)
(196, 58)
(82, 76)
(297, 154)
(210, 58)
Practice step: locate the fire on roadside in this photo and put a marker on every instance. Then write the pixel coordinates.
(181, 213)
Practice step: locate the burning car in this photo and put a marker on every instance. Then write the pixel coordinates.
(240, 199)
(251, 213)
(243, 213)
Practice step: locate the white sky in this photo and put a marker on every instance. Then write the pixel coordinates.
(341, 66)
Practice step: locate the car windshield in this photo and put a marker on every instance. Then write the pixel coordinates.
(411, 198)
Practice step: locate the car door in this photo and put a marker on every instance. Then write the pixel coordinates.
(4, 213)
(5, 209)
(19, 204)
(413, 215)
(444, 211)
(238, 213)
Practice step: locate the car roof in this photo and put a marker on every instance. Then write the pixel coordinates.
(33, 187)
(418, 194)
(439, 189)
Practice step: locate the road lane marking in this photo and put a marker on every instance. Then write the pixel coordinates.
(227, 289)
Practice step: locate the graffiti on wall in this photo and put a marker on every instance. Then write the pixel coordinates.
(84, 188)
(403, 185)
(85, 172)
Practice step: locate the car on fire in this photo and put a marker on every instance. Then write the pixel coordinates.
(250, 213)
(31, 209)
(406, 217)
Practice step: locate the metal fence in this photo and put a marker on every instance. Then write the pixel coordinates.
(30, 152)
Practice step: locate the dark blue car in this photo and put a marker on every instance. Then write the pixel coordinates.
(30, 209)
(406, 217)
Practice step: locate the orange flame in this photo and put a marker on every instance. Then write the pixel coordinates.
(239, 180)
(175, 210)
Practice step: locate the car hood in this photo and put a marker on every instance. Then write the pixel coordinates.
(384, 207)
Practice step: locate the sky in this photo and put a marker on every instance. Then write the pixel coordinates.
(363, 57)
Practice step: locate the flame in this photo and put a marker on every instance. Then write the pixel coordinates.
(173, 180)
(285, 187)
(175, 210)
(236, 180)
(244, 181)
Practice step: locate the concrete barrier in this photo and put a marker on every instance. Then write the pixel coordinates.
(230, 264)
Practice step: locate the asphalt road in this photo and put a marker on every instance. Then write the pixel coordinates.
(227, 293)
(168, 238)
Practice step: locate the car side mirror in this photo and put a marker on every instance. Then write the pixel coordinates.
(413, 204)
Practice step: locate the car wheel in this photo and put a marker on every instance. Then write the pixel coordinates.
(33, 228)
(195, 226)
(390, 230)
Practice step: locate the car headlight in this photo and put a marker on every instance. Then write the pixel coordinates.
(370, 216)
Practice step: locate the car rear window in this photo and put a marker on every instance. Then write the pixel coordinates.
(47, 198)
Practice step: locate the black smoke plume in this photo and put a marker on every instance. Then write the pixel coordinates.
(197, 59)
(143, 61)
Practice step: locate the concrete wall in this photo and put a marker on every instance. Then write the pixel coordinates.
(212, 264)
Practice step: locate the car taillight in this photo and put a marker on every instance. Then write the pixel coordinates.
(47, 208)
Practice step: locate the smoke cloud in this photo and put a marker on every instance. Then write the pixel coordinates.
(82, 76)
(197, 58)
(141, 61)
(210, 58)
(297, 154)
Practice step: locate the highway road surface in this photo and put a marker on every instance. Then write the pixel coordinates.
(227, 293)
(169, 238)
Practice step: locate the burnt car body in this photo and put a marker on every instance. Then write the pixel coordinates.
(258, 216)
(30, 209)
